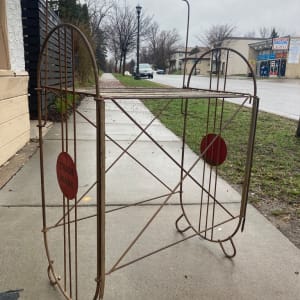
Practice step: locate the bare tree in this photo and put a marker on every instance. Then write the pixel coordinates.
(268, 32)
(152, 42)
(98, 11)
(216, 34)
(264, 32)
(114, 47)
(122, 31)
(161, 45)
(250, 34)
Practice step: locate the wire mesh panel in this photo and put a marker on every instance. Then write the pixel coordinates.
(63, 180)
(219, 117)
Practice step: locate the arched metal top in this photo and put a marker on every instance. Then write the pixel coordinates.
(228, 50)
(87, 44)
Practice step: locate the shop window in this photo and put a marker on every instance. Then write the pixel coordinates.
(4, 54)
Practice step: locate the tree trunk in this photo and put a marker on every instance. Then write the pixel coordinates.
(120, 64)
(124, 63)
(116, 66)
(298, 129)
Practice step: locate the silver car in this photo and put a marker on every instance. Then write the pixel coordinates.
(145, 70)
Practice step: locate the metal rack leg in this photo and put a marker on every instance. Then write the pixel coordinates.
(225, 252)
(177, 226)
(50, 274)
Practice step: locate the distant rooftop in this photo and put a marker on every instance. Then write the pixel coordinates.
(245, 38)
(180, 50)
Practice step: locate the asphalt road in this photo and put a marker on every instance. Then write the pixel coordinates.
(281, 97)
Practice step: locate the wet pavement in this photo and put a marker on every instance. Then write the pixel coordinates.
(277, 96)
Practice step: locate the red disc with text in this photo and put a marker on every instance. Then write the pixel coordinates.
(214, 149)
(67, 175)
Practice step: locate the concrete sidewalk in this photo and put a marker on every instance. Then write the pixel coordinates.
(266, 266)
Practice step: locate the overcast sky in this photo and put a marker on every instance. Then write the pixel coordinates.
(246, 15)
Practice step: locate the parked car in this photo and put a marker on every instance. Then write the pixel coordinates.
(145, 70)
(160, 71)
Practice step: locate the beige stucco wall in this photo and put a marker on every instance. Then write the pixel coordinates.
(202, 68)
(292, 71)
(14, 114)
(236, 64)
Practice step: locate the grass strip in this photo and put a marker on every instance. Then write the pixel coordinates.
(276, 164)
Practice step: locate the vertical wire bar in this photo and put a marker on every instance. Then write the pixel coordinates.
(218, 68)
(102, 196)
(204, 162)
(67, 150)
(214, 126)
(183, 148)
(100, 109)
(60, 87)
(219, 145)
(46, 63)
(62, 149)
(204, 169)
(218, 55)
(40, 126)
(66, 88)
(249, 160)
(208, 202)
(40, 115)
(65, 244)
(39, 92)
(226, 70)
(202, 194)
(69, 248)
(216, 176)
(211, 170)
(186, 49)
(75, 160)
(216, 170)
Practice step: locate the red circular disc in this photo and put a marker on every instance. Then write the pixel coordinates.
(214, 149)
(67, 175)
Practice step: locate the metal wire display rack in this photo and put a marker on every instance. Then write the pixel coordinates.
(213, 150)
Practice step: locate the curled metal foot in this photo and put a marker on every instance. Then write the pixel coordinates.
(51, 275)
(177, 227)
(225, 252)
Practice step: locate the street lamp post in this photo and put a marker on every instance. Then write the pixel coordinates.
(186, 42)
(186, 49)
(137, 71)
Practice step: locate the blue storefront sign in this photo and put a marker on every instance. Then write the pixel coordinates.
(266, 56)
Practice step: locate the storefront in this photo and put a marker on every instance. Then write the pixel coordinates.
(271, 65)
(271, 57)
